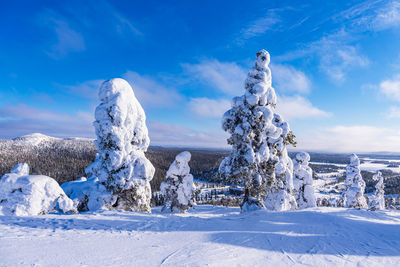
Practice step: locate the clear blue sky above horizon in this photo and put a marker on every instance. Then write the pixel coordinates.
(335, 67)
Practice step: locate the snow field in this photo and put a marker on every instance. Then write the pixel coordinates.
(206, 235)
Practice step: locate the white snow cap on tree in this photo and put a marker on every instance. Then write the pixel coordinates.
(258, 139)
(179, 189)
(22, 194)
(122, 138)
(378, 198)
(303, 181)
(353, 197)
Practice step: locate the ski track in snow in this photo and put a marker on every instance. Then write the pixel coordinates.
(205, 236)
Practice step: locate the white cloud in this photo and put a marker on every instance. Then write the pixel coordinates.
(258, 26)
(226, 77)
(17, 120)
(394, 113)
(151, 93)
(210, 108)
(288, 79)
(298, 107)
(357, 138)
(67, 39)
(335, 53)
(176, 135)
(88, 89)
(391, 88)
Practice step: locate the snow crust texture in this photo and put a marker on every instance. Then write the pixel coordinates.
(303, 181)
(377, 201)
(179, 189)
(22, 194)
(122, 138)
(259, 159)
(353, 197)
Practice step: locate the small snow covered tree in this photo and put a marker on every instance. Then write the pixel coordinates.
(178, 190)
(259, 159)
(353, 197)
(303, 181)
(378, 198)
(122, 138)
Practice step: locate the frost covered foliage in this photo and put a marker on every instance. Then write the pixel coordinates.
(303, 181)
(22, 194)
(378, 198)
(259, 136)
(122, 139)
(179, 189)
(353, 197)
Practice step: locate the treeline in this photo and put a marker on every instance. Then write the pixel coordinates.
(66, 160)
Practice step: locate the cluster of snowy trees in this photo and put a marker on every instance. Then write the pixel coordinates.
(353, 196)
(120, 176)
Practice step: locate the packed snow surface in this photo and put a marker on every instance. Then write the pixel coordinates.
(206, 235)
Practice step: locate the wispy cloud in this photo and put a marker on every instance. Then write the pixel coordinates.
(335, 53)
(151, 93)
(298, 107)
(288, 79)
(227, 77)
(66, 40)
(375, 15)
(391, 88)
(209, 108)
(17, 120)
(356, 138)
(259, 26)
(176, 135)
(393, 113)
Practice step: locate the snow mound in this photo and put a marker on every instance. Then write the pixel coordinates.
(87, 194)
(122, 138)
(178, 190)
(33, 139)
(22, 194)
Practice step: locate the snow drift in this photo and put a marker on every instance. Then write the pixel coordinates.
(22, 194)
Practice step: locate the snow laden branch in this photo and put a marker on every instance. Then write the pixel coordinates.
(178, 190)
(259, 136)
(353, 197)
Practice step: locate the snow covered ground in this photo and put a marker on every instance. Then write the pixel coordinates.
(207, 235)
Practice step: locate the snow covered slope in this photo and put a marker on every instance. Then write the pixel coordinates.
(206, 235)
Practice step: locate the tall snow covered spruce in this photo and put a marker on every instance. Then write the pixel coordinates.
(122, 138)
(259, 159)
(179, 189)
(353, 197)
(303, 181)
(378, 198)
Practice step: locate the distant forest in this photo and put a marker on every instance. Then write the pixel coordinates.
(66, 160)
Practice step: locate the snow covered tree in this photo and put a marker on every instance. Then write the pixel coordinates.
(303, 181)
(178, 190)
(259, 136)
(353, 197)
(378, 198)
(122, 138)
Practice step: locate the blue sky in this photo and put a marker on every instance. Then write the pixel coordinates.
(335, 67)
